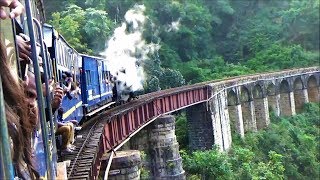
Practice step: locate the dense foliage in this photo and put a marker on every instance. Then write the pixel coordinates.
(201, 39)
(288, 149)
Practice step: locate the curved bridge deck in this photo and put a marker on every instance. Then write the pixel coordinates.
(112, 128)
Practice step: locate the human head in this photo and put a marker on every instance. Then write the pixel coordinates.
(18, 120)
(31, 98)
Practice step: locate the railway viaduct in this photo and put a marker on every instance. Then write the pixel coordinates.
(214, 109)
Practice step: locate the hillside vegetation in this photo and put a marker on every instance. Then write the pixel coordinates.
(204, 40)
(287, 149)
(200, 39)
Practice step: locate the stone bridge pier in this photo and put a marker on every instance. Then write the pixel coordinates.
(243, 104)
(159, 143)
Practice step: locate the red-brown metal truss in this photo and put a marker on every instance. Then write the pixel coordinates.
(122, 124)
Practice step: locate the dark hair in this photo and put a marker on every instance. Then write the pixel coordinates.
(19, 124)
(63, 75)
(68, 74)
(60, 110)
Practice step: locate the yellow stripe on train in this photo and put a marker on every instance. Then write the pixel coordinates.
(70, 111)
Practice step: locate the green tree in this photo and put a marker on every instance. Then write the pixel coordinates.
(86, 30)
(204, 39)
(301, 23)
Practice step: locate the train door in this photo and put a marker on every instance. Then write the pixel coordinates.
(100, 78)
(92, 90)
(103, 86)
(106, 94)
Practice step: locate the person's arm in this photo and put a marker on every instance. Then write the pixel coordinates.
(57, 98)
(24, 48)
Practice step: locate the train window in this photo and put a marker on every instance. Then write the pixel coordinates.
(108, 76)
(104, 75)
(60, 75)
(64, 56)
(59, 53)
(70, 59)
(88, 77)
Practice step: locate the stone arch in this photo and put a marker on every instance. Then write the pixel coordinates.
(298, 84)
(299, 97)
(257, 92)
(247, 109)
(273, 98)
(260, 107)
(235, 113)
(313, 92)
(244, 94)
(232, 98)
(284, 87)
(285, 101)
(271, 89)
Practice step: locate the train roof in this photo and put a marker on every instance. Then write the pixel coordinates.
(95, 57)
(57, 35)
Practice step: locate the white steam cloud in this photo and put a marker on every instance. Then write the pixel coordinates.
(126, 50)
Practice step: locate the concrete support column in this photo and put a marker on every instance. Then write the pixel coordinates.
(226, 127)
(274, 103)
(166, 162)
(215, 121)
(125, 165)
(292, 105)
(220, 122)
(140, 142)
(253, 121)
(314, 94)
(262, 113)
(249, 117)
(285, 104)
(305, 95)
(300, 98)
(200, 127)
(235, 116)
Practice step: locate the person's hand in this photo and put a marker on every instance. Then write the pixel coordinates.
(16, 8)
(57, 98)
(44, 90)
(24, 48)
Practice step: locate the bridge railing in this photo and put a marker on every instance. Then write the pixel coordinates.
(121, 125)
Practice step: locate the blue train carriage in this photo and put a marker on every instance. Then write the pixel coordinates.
(96, 85)
(66, 63)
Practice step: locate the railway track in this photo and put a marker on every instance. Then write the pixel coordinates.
(85, 153)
